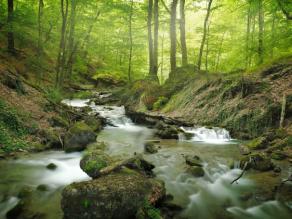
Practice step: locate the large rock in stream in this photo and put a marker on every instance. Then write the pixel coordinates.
(166, 131)
(78, 137)
(118, 195)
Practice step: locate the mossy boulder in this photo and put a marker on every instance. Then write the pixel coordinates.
(165, 131)
(258, 143)
(193, 160)
(51, 138)
(93, 122)
(93, 162)
(149, 147)
(196, 171)
(257, 161)
(117, 195)
(78, 137)
(278, 155)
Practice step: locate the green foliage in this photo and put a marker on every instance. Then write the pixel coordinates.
(54, 95)
(82, 95)
(12, 128)
(160, 103)
(150, 211)
(97, 164)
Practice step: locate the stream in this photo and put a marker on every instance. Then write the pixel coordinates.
(202, 198)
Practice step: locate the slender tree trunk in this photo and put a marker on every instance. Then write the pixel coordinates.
(155, 48)
(162, 60)
(220, 52)
(62, 46)
(150, 39)
(207, 47)
(247, 46)
(252, 41)
(183, 34)
(131, 42)
(10, 34)
(173, 36)
(273, 35)
(71, 40)
(204, 34)
(261, 32)
(40, 31)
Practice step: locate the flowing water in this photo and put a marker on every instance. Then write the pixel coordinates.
(211, 196)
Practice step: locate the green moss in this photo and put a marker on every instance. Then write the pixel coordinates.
(258, 143)
(79, 127)
(97, 164)
(148, 211)
(86, 203)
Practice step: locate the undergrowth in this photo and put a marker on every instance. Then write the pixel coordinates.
(12, 128)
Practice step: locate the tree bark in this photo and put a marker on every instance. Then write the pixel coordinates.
(10, 34)
(131, 42)
(247, 46)
(204, 34)
(183, 33)
(40, 31)
(71, 39)
(261, 32)
(207, 47)
(150, 39)
(62, 47)
(173, 36)
(155, 48)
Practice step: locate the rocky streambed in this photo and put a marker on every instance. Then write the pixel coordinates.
(143, 172)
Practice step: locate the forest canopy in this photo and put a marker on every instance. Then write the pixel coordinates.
(137, 38)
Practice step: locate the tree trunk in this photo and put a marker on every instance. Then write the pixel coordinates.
(71, 40)
(173, 36)
(273, 35)
(219, 52)
(247, 46)
(183, 33)
(252, 41)
(40, 32)
(155, 48)
(62, 46)
(261, 32)
(10, 34)
(204, 34)
(131, 42)
(207, 48)
(162, 60)
(150, 40)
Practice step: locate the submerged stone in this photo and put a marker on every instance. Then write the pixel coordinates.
(150, 148)
(52, 166)
(196, 171)
(193, 160)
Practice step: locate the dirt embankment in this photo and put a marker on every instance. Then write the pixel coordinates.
(246, 105)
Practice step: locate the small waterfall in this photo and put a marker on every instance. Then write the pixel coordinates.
(115, 115)
(202, 134)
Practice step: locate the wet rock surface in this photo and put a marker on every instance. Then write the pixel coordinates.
(117, 195)
(78, 137)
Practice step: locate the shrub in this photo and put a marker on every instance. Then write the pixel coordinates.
(160, 103)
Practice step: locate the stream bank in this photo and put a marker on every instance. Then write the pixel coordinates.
(191, 194)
